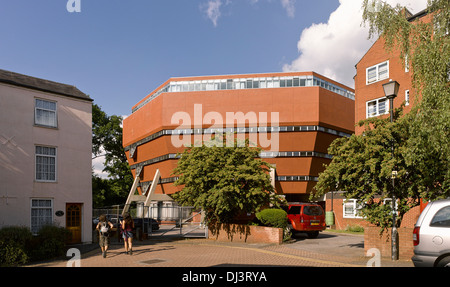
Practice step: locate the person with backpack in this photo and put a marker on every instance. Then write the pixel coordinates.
(104, 227)
(127, 232)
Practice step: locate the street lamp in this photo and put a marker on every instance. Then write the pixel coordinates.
(391, 90)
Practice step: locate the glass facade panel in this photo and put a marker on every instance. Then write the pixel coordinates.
(231, 84)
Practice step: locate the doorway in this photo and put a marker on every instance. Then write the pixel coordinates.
(73, 221)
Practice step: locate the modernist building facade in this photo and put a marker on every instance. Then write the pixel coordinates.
(300, 113)
(45, 155)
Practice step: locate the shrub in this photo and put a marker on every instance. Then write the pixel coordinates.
(354, 228)
(14, 241)
(11, 254)
(273, 218)
(18, 245)
(20, 235)
(49, 243)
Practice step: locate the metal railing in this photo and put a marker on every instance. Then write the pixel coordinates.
(159, 219)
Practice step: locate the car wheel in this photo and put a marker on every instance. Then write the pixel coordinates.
(444, 262)
(291, 229)
(313, 234)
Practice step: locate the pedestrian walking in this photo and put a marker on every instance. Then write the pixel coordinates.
(127, 233)
(104, 227)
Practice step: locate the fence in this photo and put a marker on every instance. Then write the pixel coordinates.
(181, 220)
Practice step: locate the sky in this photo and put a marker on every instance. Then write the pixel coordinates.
(119, 51)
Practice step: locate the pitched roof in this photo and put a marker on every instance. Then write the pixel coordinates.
(410, 17)
(41, 85)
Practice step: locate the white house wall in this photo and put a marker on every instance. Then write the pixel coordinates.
(18, 138)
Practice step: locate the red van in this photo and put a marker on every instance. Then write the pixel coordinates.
(307, 218)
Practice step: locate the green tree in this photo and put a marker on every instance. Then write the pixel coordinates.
(107, 143)
(224, 181)
(426, 46)
(362, 164)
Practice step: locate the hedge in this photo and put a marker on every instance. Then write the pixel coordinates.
(18, 246)
(273, 218)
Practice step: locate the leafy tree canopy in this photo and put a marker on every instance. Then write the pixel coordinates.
(224, 181)
(362, 164)
(426, 47)
(107, 143)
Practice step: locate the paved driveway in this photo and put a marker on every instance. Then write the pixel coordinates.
(331, 243)
(328, 250)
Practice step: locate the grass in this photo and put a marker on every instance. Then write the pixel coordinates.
(351, 229)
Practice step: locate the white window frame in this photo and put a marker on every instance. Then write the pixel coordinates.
(406, 64)
(353, 203)
(388, 201)
(406, 97)
(377, 113)
(36, 155)
(35, 227)
(378, 78)
(36, 108)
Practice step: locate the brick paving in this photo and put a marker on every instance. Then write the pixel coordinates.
(209, 253)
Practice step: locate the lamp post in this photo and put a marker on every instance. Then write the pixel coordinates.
(391, 90)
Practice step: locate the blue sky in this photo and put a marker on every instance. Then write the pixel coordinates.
(118, 51)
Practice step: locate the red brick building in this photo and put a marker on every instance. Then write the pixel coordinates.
(300, 113)
(376, 68)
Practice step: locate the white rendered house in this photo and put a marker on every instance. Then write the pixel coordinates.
(45, 155)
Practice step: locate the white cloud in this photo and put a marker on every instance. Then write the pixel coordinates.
(289, 5)
(333, 48)
(212, 10)
(98, 164)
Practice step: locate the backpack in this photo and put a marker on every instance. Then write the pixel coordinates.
(104, 229)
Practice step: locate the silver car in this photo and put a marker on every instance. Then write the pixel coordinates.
(431, 236)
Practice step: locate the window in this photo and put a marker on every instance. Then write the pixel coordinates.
(388, 201)
(441, 218)
(295, 210)
(45, 164)
(45, 113)
(41, 214)
(289, 82)
(223, 85)
(377, 73)
(312, 210)
(406, 64)
(377, 107)
(234, 84)
(351, 209)
(407, 98)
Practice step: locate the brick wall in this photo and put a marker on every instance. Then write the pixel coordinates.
(373, 239)
(246, 233)
(341, 223)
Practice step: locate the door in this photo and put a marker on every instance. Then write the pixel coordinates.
(294, 216)
(73, 221)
